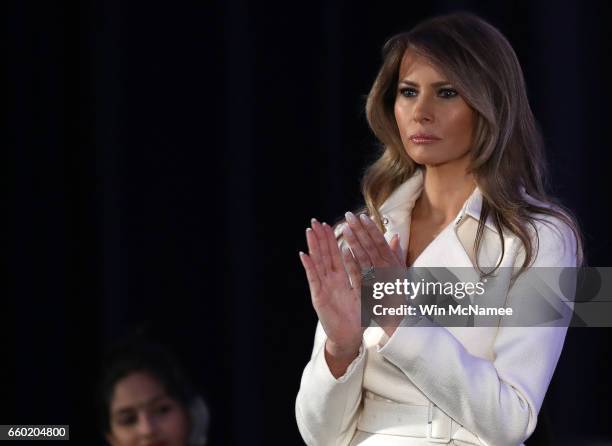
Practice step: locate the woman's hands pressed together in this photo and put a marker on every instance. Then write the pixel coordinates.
(334, 279)
(369, 245)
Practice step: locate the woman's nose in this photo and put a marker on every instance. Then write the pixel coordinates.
(147, 424)
(422, 111)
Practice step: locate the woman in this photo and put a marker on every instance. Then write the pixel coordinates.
(459, 184)
(147, 400)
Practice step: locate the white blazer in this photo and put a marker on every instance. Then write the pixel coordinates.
(434, 385)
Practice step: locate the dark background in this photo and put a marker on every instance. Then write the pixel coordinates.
(163, 160)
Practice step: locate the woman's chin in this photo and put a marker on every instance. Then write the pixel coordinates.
(431, 159)
(427, 160)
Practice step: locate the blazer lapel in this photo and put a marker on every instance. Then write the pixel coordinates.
(453, 247)
(396, 209)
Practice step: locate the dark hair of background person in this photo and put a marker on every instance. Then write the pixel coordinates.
(138, 354)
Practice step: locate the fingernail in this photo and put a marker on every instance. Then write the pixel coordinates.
(301, 253)
(308, 229)
(324, 224)
(350, 217)
(364, 218)
(313, 221)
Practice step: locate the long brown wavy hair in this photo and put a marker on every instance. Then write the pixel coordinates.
(507, 153)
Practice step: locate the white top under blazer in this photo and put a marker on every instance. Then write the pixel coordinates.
(428, 384)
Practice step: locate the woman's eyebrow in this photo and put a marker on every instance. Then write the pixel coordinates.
(123, 410)
(148, 402)
(414, 84)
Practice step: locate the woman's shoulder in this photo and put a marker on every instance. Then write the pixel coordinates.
(553, 236)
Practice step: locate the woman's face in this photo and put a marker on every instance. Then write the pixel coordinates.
(426, 104)
(142, 414)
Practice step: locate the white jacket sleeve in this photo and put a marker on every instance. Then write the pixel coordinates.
(326, 408)
(497, 400)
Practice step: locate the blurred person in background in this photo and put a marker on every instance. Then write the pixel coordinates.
(145, 399)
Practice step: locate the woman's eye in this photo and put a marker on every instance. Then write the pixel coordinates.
(448, 93)
(126, 421)
(161, 410)
(408, 92)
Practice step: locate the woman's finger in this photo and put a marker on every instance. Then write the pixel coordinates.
(323, 247)
(378, 239)
(334, 251)
(396, 248)
(314, 251)
(366, 241)
(352, 268)
(360, 253)
(314, 283)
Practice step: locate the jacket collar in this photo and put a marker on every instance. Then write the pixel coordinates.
(402, 200)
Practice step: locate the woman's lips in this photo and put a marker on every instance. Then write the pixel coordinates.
(423, 140)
